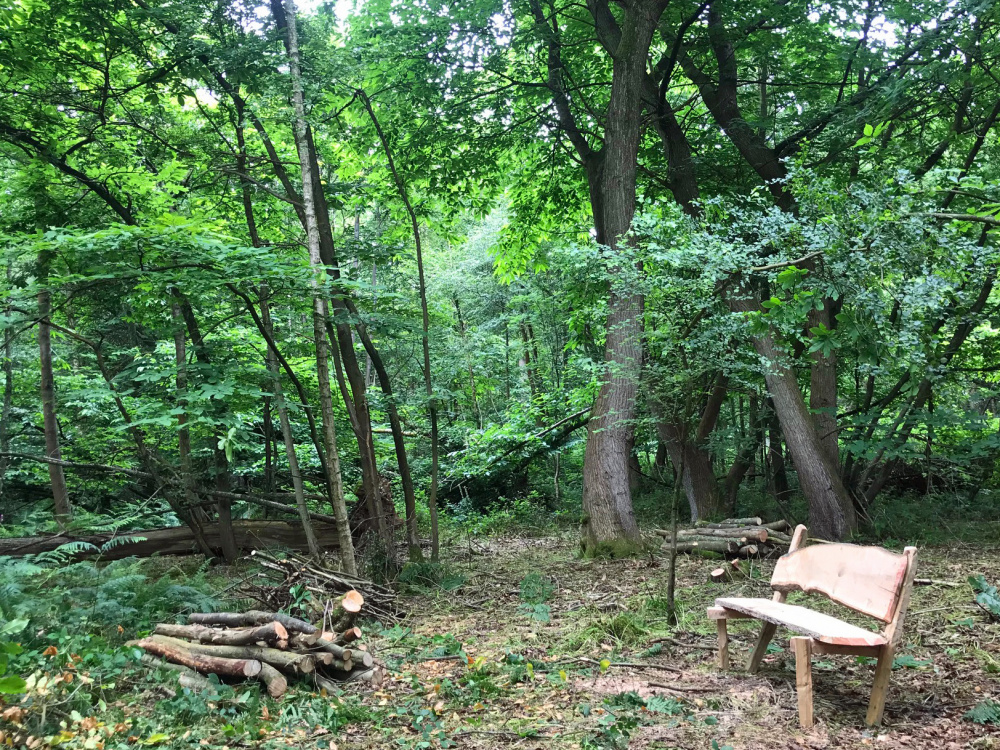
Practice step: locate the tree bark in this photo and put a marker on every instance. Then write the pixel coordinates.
(221, 463)
(270, 632)
(8, 393)
(190, 515)
(60, 494)
(176, 540)
(206, 664)
(285, 660)
(252, 617)
(319, 303)
(831, 512)
(609, 519)
(286, 432)
(432, 407)
(700, 485)
(823, 387)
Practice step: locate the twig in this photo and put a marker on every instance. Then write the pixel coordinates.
(636, 665)
(683, 688)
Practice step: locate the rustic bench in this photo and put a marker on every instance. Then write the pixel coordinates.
(869, 580)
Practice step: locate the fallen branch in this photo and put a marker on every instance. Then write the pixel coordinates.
(200, 662)
(272, 631)
(253, 617)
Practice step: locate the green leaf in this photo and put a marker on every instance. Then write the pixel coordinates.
(155, 739)
(12, 684)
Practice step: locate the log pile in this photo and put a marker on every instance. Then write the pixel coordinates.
(733, 538)
(273, 587)
(266, 646)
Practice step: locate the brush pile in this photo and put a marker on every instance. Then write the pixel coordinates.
(268, 646)
(283, 581)
(733, 538)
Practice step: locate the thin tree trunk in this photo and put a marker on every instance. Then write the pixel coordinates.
(425, 320)
(8, 393)
(831, 512)
(823, 387)
(776, 459)
(192, 512)
(60, 494)
(270, 483)
(224, 507)
(286, 433)
(693, 466)
(319, 303)
(468, 359)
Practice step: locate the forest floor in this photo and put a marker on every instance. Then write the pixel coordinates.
(517, 642)
(478, 666)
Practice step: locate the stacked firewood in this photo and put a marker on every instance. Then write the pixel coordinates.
(734, 537)
(268, 646)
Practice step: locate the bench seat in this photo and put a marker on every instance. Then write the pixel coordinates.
(820, 627)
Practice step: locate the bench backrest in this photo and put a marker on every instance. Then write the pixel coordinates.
(866, 579)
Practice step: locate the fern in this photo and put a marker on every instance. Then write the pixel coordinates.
(987, 712)
(84, 595)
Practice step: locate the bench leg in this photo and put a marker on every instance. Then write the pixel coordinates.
(723, 660)
(766, 634)
(803, 679)
(876, 706)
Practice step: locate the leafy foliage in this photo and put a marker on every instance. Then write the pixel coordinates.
(987, 596)
(985, 712)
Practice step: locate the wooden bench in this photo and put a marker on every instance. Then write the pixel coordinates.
(870, 580)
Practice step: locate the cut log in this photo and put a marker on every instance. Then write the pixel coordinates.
(178, 540)
(304, 641)
(271, 632)
(274, 680)
(696, 537)
(782, 526)
(349, 605)
(729, 522)
(721, 547)
(220, 664)
(253, 617)
(186, 677)
(749, 550)
(757, 535)
(341, 665)
(288, 661)
(348, 636)
(325, 683)
(729, 572)
(340, 652)
(372, 676)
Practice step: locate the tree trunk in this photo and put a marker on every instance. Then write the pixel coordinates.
(8, 392)
(286, 432)
(823, 387)
(831, 513)
(176, 540)
(432, 406)
(610, 523)
(192, 515)
(700, 485)
(60, 494)
(319, 303)
(230, 552)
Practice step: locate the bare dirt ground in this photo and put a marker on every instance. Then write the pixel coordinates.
(596, 665)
